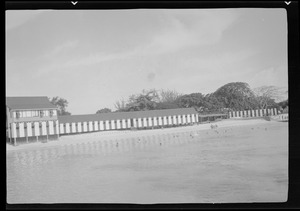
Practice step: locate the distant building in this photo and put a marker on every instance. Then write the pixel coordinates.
(30, 119)
(127, 120)
(35, 119)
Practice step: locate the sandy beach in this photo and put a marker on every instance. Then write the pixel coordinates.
(124, 134)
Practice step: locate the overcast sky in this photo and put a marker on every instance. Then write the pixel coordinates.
(93, 58)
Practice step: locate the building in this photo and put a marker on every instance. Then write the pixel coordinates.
(253, 113)
(30, 119)
(127, 120)
(35, 119)
(211, 117)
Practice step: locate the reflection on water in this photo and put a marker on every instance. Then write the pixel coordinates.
(196, 166)
(102, 147)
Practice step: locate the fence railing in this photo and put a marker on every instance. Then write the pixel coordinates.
(253, 113)
(281, 117)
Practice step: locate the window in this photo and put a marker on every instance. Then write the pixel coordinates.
(34, 113)
(28, 114)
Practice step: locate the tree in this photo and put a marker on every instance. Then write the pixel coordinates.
(61, 105)
(103, 110)
(212, 104)
(168, 96)
(236, 95)
(267, 95)
(285, 110)
(283, 104)
(121, 105)
(195, 100)
(147, 100)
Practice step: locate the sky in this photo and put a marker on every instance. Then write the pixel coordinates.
(93, 58)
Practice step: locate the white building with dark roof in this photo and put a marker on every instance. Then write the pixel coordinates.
(35, 119)
(30, 119)
(127, 120)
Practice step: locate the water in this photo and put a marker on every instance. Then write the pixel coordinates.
(239, 165)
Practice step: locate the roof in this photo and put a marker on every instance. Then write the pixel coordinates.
(125, 115)
(18, 103)
(208, 115)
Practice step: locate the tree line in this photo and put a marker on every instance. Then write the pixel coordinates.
(229, 97)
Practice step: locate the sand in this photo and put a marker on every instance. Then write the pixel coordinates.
(104, 135)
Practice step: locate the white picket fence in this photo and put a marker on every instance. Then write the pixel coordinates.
(281, 117)
(253, 113)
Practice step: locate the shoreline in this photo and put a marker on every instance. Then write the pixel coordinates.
(124, 134)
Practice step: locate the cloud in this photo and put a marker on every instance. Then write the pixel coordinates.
(101, 57)
(187, 28)
(209, 71)
(15, 18)
(93, 59)
(219, 61)
(65, 65)
(179, 29)
(61, 48)
(272, 76)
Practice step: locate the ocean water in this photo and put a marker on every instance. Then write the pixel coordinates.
(244, 164)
